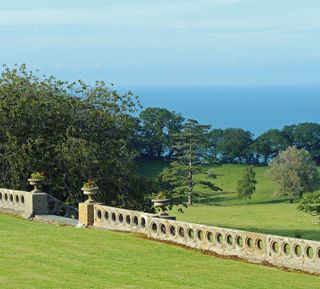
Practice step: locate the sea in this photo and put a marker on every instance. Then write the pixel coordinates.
(256, 109)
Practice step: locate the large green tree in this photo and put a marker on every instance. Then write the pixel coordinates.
(191, 155)
(71, 131)
(295, 172)
(268, 145)
(157, 128)
(234, 145)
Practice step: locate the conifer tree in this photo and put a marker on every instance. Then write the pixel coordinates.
(191, 155)
(247, 185)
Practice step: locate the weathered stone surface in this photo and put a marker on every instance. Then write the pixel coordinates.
(28, 204)
(53, 219)
(86, 214)
(286, 252)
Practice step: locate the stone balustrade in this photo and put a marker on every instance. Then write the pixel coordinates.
(279, 251)
(13, 201)
(28, 204)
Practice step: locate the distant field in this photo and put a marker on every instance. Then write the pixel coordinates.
(34, 255)
(267, 212)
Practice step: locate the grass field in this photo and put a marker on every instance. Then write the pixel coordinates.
(34, 255)
(266, 212)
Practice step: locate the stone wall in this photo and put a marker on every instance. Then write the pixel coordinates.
(286, 252)
(28, 204)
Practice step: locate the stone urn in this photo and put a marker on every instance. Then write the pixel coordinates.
(90, 192)
(36, 183)
(162, 205)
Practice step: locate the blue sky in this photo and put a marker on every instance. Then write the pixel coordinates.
(167, 42)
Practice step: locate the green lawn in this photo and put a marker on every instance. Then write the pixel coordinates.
(34, 255)
(266, 212)
(277, 219)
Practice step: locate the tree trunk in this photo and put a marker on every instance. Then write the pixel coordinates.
(190, 199)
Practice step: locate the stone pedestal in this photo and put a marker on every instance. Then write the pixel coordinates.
(86, 214)
(35, 204)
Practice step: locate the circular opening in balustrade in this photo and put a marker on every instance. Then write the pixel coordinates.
(229, 239)
(17, 199)
(106, 215)
(239, 241)
(22, 199)
(143, 222)
(113, 217)
(309, 252)
(128, 220)
(62, 211)
(172, 230)
(219, 238)
(120, 218)
(163, 229)
(319, 253)
(210, 237)
(0, 196)
(286, 249)
(51, 205)
(260, 244)
(200, 235)
(275, 247)
(135, 220)
(249, 243)
(191, 234)
(99, 215)
(297, 250)
(5, 197)
(154, 227)
(11, 198)
(181, 232)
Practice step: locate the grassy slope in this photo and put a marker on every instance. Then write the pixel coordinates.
(266, 212)
(43, 256)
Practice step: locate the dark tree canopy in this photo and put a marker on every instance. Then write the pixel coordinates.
(234, 145)
(157, 128)
(268, 145)
(70, 131)
(307, 136)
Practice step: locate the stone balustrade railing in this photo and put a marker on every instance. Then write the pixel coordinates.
(14, 201)
(28, 204)
(279, 251)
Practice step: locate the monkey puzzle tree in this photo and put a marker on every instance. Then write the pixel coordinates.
(191, 154)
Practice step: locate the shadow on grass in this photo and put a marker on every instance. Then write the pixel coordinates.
(231, 199)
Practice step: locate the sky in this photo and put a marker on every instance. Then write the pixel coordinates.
(166, 42)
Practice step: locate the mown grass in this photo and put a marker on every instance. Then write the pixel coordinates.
(267, 211)
(34, 255)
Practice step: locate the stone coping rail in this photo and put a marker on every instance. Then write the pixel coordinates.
(298, 254)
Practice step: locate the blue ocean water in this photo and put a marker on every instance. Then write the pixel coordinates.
(256, 109)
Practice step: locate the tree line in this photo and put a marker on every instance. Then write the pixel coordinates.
(156, 127)
(75, 131)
